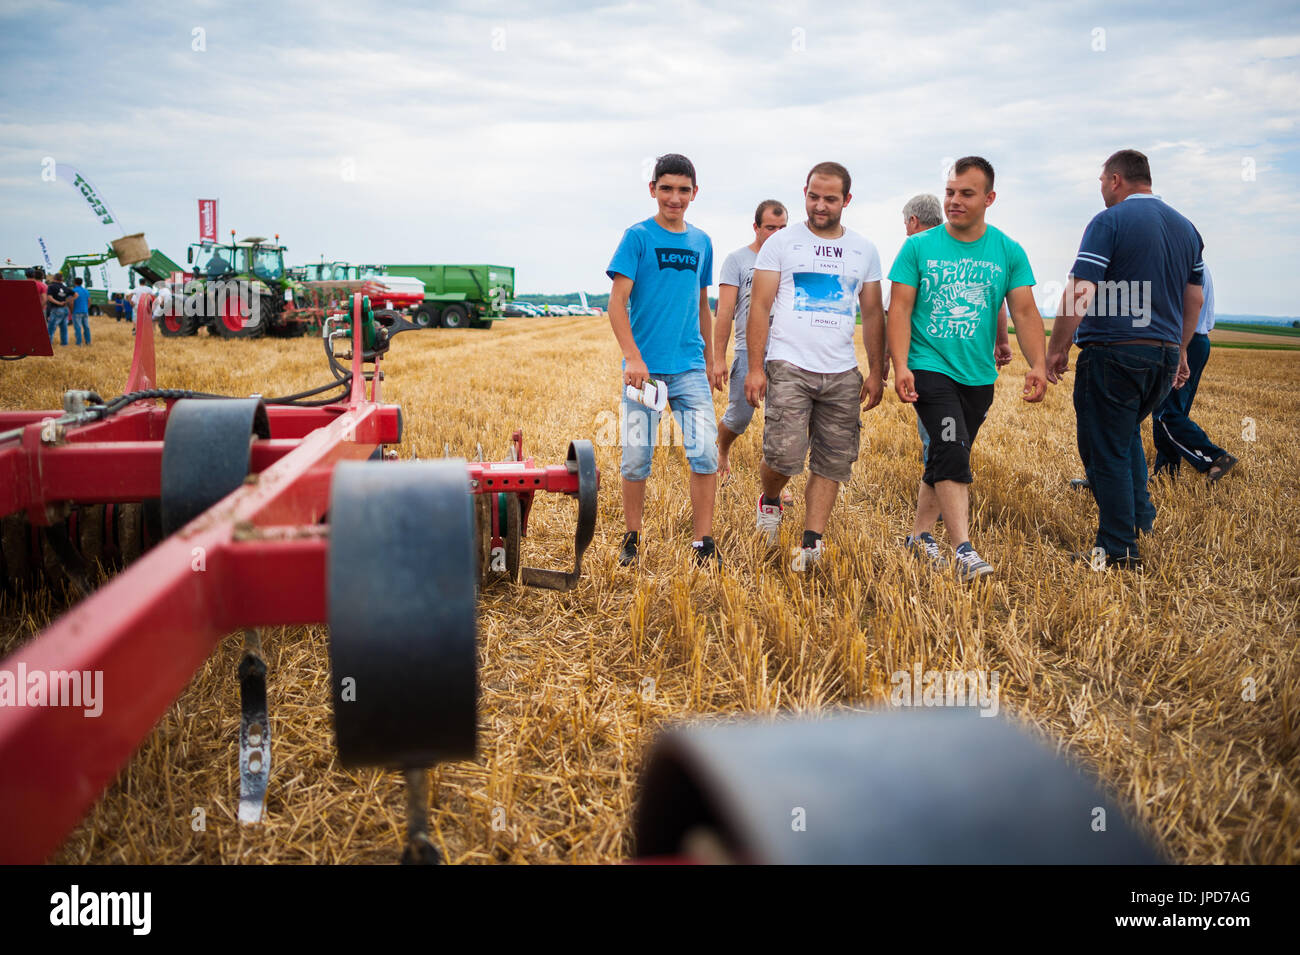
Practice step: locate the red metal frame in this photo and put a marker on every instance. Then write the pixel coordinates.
(256, 558)
(147, 630)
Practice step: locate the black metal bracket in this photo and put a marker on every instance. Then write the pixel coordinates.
(581, 460)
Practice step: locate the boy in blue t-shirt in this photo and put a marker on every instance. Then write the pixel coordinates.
(659, 310)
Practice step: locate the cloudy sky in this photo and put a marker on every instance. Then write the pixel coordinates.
(520, 133)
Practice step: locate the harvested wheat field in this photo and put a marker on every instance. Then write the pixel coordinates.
(1179, 686)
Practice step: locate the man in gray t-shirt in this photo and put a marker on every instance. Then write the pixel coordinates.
(733, 303)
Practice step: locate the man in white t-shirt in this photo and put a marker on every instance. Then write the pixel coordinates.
(811, 279)
(734, 284)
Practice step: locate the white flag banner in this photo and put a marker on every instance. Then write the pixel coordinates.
(582, 297)
(98, 205)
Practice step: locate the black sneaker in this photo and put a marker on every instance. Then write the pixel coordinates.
(628, 554)
(706, 552)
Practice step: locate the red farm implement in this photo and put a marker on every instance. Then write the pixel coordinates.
(231, 514)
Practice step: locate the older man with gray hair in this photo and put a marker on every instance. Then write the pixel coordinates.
(921, 213)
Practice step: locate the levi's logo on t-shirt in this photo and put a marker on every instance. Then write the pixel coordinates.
(687, 260)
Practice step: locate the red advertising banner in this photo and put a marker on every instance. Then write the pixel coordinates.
(207, 220)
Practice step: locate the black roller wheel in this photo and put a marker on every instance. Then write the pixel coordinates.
(914, 786)
(455, 316)
(401, 596)
(426, 316)
(206, 451)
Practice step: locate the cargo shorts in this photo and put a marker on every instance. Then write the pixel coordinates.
(807, 409)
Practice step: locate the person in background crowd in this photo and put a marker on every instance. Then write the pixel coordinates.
(733, 303)
(1177, 435)
(59, 297)
(81, 311)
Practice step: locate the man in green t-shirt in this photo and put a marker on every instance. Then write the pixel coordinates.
(948, 284)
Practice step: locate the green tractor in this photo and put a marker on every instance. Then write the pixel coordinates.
(238, 290)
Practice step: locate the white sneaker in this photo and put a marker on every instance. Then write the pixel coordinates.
(768, 520)
(970, 565)
(805, 557)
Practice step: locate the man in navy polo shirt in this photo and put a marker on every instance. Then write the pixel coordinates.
(1134, 295)
(659, 310)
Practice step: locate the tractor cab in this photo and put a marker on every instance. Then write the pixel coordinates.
(266, 259)
(255, 256)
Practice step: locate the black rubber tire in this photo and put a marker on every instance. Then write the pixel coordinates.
(267, 311)
(206, 452)
(910, 786)
(178, 326)
(402, 615)
(426, 316)
(455, 316)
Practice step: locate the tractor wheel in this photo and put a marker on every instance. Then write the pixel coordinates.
(402, 619)
(177, 326)
(231, 323)
(426, 316)
(94, 310)
(455, 316)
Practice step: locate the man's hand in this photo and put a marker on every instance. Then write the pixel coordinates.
(635, 373)
(1058, 363)
(1035, 384)
(1184, 370)
(755, 387)
(905, 383)
(873, 389)
(1002, 352)
(717, 372)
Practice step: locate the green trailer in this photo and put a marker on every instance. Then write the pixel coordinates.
(459, 295)
(156, 268)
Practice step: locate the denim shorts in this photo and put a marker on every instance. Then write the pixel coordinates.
(690, 420)
(739, 411)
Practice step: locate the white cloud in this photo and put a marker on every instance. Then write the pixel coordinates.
(531, 155)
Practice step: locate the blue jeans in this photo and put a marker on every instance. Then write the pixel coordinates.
(81, 326)
(1177, 435)
(690, 401)
(57, 318)
(1115, 388)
